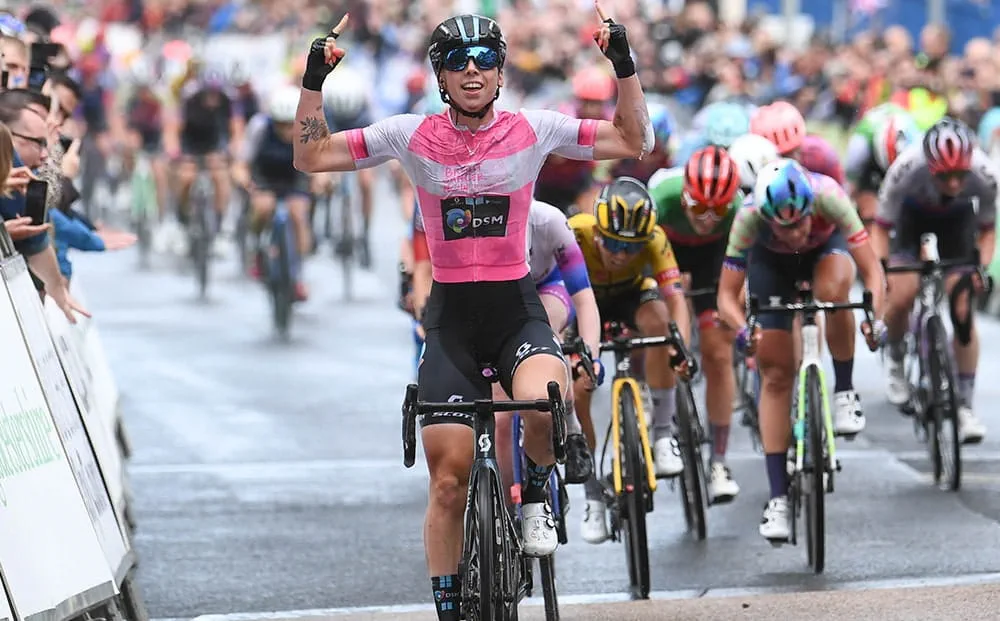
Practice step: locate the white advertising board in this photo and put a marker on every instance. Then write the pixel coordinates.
(52, 558)
(68, 347)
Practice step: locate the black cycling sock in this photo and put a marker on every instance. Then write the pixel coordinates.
(447, 596)
(843, 373)
(538, 476)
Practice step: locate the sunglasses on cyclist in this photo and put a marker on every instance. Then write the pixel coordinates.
(614, 246)
(945, 177)
(485, 58)
(700, 211)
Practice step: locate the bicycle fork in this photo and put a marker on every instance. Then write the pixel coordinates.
(811, 360)
(616, 469)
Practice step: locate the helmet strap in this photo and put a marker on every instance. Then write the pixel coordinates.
(478, 114)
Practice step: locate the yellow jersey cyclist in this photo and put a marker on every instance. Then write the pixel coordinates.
(800, 227)
(474, 170)
(947, 186)
(264, 167)
(620, 241)
(880, 136)
(695, 206)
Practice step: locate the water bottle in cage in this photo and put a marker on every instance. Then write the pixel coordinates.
(929, 247)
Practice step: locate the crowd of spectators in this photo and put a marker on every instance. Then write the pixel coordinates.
(686, 56)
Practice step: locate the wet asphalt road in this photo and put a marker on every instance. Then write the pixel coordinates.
(269, 477)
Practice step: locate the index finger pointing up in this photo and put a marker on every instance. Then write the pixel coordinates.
(600, 11)
(339, 28)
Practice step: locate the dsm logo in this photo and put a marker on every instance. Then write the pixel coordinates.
(480, 216)
(458, 219)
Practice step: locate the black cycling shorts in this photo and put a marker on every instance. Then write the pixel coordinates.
(704, 263)
(284, 188)
(475, 326)
(956, 234)
(622, 306)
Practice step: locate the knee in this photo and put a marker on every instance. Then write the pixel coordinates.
(832, 289)
(447, 491)
(776, 374)
(718, 359)
(653, 318)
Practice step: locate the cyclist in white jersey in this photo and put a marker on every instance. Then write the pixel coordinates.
(474, 170)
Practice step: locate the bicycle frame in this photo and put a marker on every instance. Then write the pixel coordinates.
(811, 350)
(621, 347)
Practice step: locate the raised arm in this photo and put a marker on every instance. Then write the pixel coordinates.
(630, 135)
(317, 150)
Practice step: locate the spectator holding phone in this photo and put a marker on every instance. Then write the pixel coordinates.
(29, 138)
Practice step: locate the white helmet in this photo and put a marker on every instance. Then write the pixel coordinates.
(284, 101)
(345, 93)
(752, 153)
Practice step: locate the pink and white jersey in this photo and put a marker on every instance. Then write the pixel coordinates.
(474, 189)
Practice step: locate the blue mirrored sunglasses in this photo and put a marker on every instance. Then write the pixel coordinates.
(614, 246)
(485, 58)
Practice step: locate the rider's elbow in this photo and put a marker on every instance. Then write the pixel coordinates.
(304, 163)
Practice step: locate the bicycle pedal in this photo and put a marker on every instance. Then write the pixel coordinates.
(850, 437)
(777, 543)
(836, 465)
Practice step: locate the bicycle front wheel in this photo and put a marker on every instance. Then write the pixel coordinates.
(282, 285)
(201, 237)
(943, 404)
(694, 483)
(482, 595)
(547, 574)
(635, 490)
(814, 469)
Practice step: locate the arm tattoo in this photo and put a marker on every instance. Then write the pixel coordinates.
(314, 129)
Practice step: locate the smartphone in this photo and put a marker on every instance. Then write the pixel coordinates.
(36, 78)
(42, 53)
(35, 197)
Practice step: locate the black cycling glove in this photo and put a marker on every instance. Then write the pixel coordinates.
(316, 66)
(618, 51)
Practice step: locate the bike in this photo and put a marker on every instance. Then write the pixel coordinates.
(282, 266)
(633, 478)
(815, 457)
(145, 208)
(494, 572)
(928, 364)
(343, 236)
(201, 225)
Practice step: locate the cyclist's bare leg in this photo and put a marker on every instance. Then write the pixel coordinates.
(832, 280)
(158, 163)
(777, 371)
(966, 355)
(530, 382)
(901, 294)
(219, 172)
(298, 209)
(652, 319)
(448, 451)
(186, 173)
(717, 362)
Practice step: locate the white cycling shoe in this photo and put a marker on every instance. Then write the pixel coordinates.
(667, 458)
(848, 417)
(971, 430)
(775, 524)
(538, 529)
(594, 528)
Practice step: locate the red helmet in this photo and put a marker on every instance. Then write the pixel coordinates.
(711, 179)
(818, 156)
(948, 146)
(593, 84)
(782, 124)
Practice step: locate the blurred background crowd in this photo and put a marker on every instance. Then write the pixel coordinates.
(688, 54)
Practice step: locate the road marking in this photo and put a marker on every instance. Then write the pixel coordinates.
(603, 598)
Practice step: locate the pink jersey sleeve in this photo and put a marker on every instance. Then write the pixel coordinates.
(563, 135)
(382, 141)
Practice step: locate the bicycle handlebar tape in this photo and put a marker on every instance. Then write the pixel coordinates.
(410, 426)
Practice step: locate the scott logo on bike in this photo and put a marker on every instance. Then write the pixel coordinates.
(484, 443)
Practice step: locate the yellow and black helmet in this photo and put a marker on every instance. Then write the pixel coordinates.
(625, 211)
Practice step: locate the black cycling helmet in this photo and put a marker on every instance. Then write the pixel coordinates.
(460, 31)
(625, 211)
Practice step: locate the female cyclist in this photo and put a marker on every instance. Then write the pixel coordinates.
(474, 169)
(802, 227)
